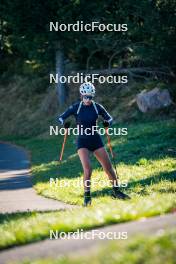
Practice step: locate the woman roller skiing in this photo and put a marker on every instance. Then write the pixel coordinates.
(86, 113)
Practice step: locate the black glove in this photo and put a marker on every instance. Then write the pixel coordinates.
(105, 123)
(66, 124)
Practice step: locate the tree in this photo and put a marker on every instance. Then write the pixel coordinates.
(149, 41)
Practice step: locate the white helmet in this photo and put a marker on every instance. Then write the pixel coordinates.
(87, 88)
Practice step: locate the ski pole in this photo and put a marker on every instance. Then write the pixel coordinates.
(66, 126)
(63, 145)
(110, 148)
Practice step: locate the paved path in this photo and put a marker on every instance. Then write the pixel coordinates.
(16, 192)
(60, 247)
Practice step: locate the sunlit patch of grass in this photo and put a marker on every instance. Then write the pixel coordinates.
(143, 179)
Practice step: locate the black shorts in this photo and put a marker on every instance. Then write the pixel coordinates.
(90, 142)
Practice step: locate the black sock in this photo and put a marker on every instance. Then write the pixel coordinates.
(87, 193)
(115, 188)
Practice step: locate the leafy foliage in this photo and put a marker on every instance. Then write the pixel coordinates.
(149, 40)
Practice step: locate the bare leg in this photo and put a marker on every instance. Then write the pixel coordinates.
(103, 157)
(85, 160)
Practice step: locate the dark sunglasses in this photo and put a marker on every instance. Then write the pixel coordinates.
(87, 97)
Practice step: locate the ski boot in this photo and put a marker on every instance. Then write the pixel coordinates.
(116, 193)
(87, 199)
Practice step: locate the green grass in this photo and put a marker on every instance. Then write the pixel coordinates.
(145, 159)
(140, 249)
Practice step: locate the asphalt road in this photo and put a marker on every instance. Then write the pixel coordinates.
(16, 192)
